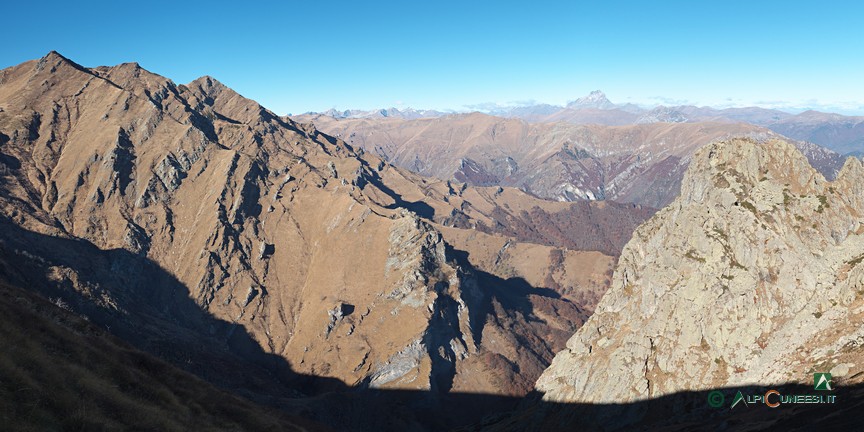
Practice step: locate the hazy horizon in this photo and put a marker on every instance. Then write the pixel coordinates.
(487, 107)
(296, 58)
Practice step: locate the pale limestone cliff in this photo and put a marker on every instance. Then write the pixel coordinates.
(752, 276)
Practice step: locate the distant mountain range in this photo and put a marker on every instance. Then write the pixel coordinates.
(843, 134)
(639, 163)
(406, 113)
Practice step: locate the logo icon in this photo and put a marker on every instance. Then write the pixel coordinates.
(768, 395)
(822, 381)
(738, 398)
(716, 399)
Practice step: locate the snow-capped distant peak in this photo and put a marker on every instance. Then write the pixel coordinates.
(594, 96)
(596, 100)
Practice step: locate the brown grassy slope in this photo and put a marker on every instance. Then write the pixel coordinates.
(116, 176)
(58, 371)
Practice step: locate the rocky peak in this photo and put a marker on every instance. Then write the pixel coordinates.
(208, 85)
(596, 100)
(752, 276)
(212, 94)
(52, 73)
(54, 59)
(130, 74)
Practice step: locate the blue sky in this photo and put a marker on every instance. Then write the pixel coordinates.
(311, 56)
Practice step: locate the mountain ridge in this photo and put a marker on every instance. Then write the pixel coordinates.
(841, 133)
(149, 207)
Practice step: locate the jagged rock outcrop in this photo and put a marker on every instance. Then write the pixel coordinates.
(753, 276)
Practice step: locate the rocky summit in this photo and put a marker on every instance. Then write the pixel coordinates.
(752, 277)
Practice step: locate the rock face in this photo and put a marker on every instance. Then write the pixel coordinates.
(251, 250)
(753, 276)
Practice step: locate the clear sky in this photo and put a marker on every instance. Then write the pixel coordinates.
(315, 55)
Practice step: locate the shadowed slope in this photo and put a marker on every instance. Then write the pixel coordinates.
(59, 371)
